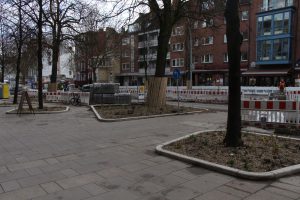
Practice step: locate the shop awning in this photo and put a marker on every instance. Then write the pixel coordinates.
(266, 72)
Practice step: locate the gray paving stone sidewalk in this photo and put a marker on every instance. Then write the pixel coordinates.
(73, 156)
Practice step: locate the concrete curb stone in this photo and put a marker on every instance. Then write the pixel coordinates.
(140, 117)
(275, 174)
(13, 111)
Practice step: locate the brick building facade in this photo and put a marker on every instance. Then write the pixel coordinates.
(97, 56)
(270, 50)
(275, 40)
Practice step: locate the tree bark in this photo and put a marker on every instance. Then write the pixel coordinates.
(234, 41)
(40, 55)
(3, 57)
(157, 85)
(55, 52)
(2, 69)
(94, 75)
(20, 44)
(163, 47)
(156, 97)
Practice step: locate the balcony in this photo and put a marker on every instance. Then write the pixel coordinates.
(149, 43)
(150, 57)
(276, 5)
(151, 70)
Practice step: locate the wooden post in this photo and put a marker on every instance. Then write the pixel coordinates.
(20, 107)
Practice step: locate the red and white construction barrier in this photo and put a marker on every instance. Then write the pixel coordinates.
(198, 95)
(270, 105)
(270, 114)
(65, 97)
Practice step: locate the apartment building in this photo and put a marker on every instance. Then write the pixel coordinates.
(97, 56)
(139, 51)
(270, 50)
(275, 43)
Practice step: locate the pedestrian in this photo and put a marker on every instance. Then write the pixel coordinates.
(281, 85)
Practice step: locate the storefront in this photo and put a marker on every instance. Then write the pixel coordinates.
(267, 77)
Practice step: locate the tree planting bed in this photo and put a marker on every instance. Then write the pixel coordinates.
(134, 111)
(259, 153)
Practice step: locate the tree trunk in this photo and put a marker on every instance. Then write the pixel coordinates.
(3, 57)
(162, 49)
(2, 69)
(55, 53)
(234, 41)
(158, 85)
(20, 44)
(156, 97)
(40, 56)
(94, 75)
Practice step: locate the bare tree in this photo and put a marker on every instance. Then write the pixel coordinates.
(34, 10)
(234, 41)
(61, 16)
(19, 37)
(97, 48)
(167, 13)
(3, 42)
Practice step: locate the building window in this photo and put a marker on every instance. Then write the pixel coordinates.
(196, 24)
(178, 30)
(207, 5)
(281, 23)
(195, 59)
(264, 50)
(125, 66)
(207, 58)
(244, 56)
(207, 40)
(245, 35)
(177, 47)
(178, 62)
(125, 41)
(280, 49)
(225, 38)
(207, 23)
(267, 25)
(125, 54)
(245, 15)
(225, 57)
(196, 42)
(275, 4)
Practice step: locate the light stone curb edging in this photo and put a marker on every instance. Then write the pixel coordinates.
(7, 105)
(275, 174)
(67, 108)
(142, 117)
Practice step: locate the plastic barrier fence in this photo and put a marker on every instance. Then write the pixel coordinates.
(65, 97)
(270, 114)
(215, 94)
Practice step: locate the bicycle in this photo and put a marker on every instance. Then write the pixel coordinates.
(75, 100)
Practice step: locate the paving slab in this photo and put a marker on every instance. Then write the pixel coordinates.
(214, 195)
(10, 185)
(266, 195)
(78, 180)
(73, 156)
(23, 194)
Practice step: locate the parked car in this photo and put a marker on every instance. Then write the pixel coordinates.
(86, 88)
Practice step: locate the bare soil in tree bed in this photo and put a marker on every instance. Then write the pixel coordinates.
(137, 110)
(259, 153)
